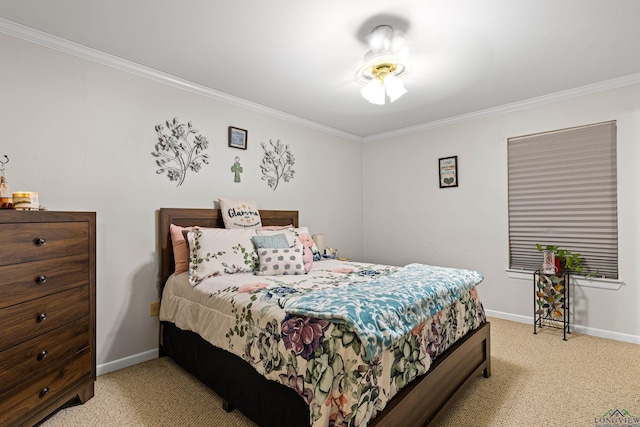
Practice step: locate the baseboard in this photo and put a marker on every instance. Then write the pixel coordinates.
(105, 368)
(125, 362)
(601, 333)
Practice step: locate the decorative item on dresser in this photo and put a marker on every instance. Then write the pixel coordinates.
(47, 312)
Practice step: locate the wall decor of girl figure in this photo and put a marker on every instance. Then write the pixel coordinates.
(6, 199)
(4, 184)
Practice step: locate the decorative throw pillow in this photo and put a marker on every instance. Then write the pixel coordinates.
(278, 262)
(307, 254)
(317, 256)
(276, 227)
(288, 233)
(293, 236)
(218, 251)
(275, 241)
(240, 213)
(180, 250)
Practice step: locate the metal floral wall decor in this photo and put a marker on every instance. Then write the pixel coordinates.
(175, 154)
(277, 164)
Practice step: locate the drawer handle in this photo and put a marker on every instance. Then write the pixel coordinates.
(41, 241)
(41, 317)
(44, 392)
(42, 355)
(41, 279)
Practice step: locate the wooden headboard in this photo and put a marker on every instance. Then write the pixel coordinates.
(186, 217)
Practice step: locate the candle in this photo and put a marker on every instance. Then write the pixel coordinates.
(318, 239)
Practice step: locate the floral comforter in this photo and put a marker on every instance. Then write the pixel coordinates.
(323, 361)
(381, 311)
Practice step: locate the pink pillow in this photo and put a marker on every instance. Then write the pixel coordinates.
(276, 227)
(307, 244)
(180, 252)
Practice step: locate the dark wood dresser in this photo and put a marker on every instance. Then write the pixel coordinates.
(47, 312)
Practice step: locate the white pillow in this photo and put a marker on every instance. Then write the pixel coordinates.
(218, 251)
(240, 213)
(281, 261)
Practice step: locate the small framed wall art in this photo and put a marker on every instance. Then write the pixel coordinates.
(237, 138)
(448, 167)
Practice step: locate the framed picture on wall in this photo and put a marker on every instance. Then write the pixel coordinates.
(237, 138)
(448, 167)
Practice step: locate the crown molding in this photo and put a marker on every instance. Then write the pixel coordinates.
(629, 80)
(72, 48)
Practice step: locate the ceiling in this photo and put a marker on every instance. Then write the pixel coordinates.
(300, 57)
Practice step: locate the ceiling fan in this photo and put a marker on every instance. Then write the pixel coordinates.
(384, 65)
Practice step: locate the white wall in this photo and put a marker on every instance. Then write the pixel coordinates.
(81, 134)
(408, 218)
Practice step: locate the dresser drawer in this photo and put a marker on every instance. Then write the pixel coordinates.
(51, 385)
(24, 242)
(31, 280)
(21, 322)
(41, 354)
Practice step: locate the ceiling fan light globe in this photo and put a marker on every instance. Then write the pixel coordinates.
(373, 92)
(395, 87)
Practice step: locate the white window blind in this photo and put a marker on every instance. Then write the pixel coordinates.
(563, 192)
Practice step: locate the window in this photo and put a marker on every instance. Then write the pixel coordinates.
(563, 192)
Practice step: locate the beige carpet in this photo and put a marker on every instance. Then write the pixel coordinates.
(537, 380)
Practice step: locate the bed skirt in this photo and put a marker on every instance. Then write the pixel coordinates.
(268, 403)
(265, 402)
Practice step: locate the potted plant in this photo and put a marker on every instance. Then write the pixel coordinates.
(568, 260)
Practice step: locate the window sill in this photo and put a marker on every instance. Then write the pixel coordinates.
(587, 282)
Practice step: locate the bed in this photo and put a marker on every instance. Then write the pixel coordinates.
(268, 402)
